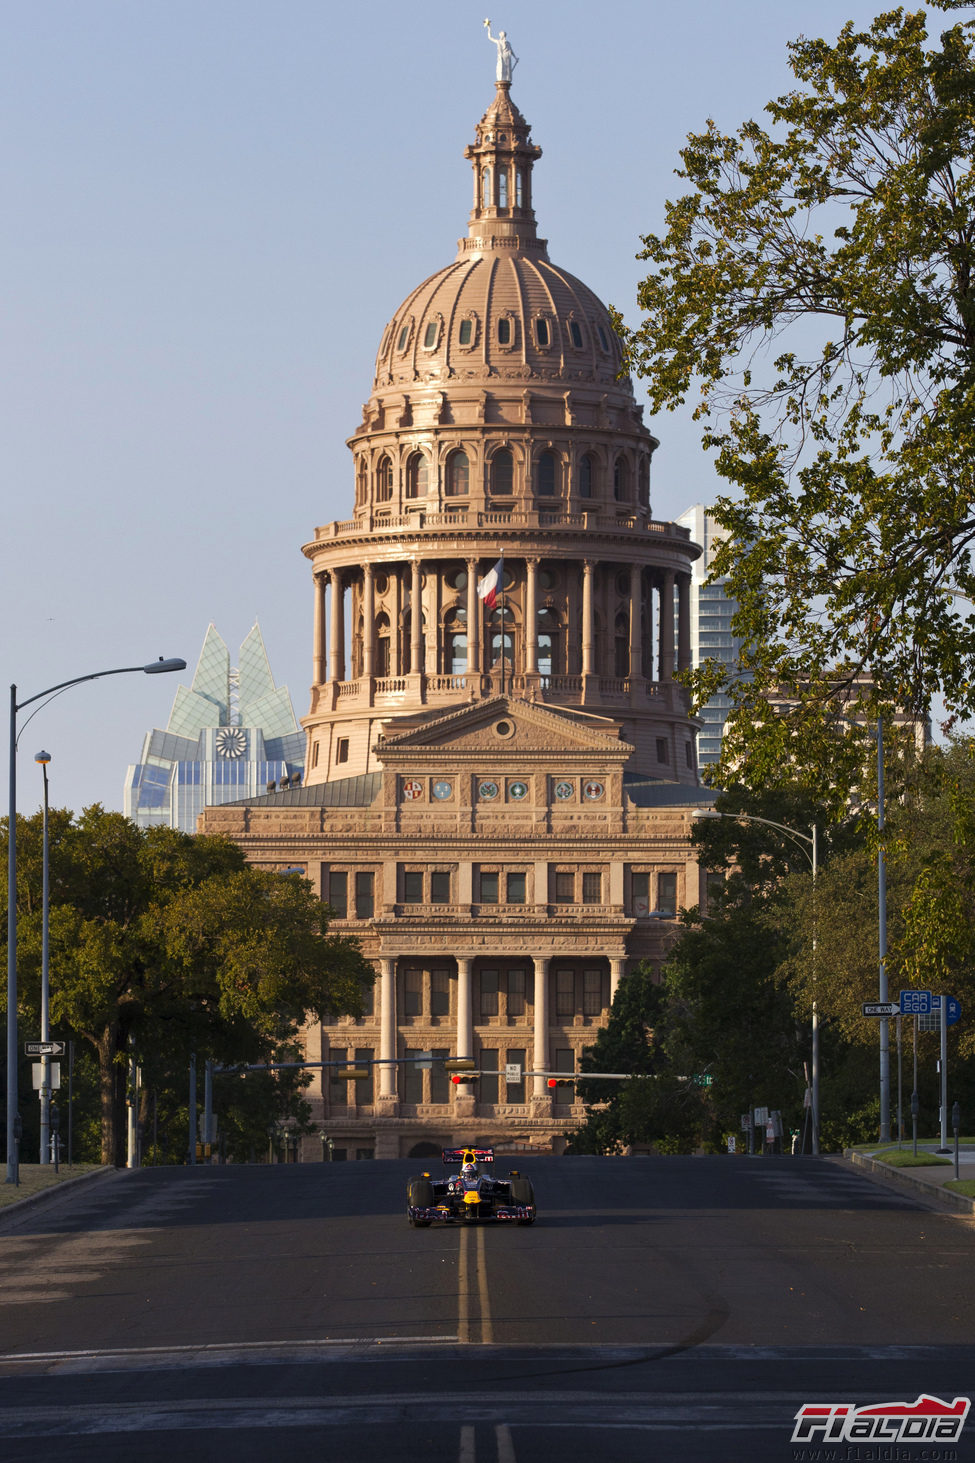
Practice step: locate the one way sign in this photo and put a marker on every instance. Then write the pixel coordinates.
(44, 1048)
(881, 1008)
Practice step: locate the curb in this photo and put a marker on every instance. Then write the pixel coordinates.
(20, 1208)
(898, 1179)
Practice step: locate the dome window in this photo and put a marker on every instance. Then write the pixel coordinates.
(430, 335)
(502, 188)
(519, 188)
(404, 337)
(504, 330)
(465, 335)
(603, 340)
(416, 476)
(486, 198)
(502, 474)
(384, 481)
(575, 334)
(457, 477)
(546, 475)
(541, 331)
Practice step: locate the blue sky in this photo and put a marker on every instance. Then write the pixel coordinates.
(212, 210)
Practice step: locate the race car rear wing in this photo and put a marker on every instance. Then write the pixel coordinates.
(468, 1155)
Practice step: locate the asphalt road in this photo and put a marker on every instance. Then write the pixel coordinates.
(659, 1309)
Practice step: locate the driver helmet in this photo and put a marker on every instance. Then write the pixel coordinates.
(469, 1171)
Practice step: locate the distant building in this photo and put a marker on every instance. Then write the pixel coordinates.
(233, 734)
(712, 637)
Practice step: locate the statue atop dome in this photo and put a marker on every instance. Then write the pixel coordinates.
(507, 60)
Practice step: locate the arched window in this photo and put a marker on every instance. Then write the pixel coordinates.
(384, 480)
(502, 474)
(458, 476)
(486, 198)
(416, 476)
(622, 646)
(519, 188)
(381, 662)
(575, 334)
(545, 475)
(586, 477)
(621, 480)
(504, 331)
(502, 188)
(541, 330)
(455, 639)
(644, 483)
(361, 481)
(502, 635)
(548, 642)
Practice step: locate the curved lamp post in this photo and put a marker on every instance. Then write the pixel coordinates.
(154, 668)
(45, 1094)
(809, 843)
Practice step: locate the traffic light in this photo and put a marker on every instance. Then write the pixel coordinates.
(561, 1081)
(458, 1077)
(460, 1064)
(351, 1074)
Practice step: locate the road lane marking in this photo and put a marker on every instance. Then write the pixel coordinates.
(468, 1447)
(483, 1294)
(472, 1289)
(505, 1447)
(463, 1294)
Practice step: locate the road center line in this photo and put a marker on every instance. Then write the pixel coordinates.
(463, 1293)
(484, 1295)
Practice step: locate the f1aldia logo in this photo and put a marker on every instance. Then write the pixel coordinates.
(926, 1420)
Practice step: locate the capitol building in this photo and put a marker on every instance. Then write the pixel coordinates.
(500, 767)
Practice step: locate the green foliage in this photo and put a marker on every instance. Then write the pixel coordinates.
(162, 945)
(814, 289)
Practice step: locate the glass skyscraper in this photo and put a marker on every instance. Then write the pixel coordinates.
(230, 735)
(712, 637)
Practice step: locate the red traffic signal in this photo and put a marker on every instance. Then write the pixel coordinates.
(463, 1077)
(561, 1081)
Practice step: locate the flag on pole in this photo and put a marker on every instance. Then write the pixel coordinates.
(487, 588)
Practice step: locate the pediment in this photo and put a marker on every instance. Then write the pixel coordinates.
(503, 724)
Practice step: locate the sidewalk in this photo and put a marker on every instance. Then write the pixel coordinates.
(39, 1186)
(924, 1182)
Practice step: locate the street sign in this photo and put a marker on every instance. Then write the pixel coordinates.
(915, 1003)
(44, 1048)
(53, 1075)
(881, 1008)
(512, 1072)
(932, 1021)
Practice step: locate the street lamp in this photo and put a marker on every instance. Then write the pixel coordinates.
(45, 1093)
(154, 668)
(809, 843)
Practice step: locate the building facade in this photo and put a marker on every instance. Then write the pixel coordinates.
(501, 767)
(712, 636)
(232, 734)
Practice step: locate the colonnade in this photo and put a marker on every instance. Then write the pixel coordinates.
(463, 1034)
(330, 610)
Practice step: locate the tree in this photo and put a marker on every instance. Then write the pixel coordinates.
(162, 944)
(816, 290)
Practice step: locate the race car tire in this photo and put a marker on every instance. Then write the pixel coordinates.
(420, 1196)
(523, 1193)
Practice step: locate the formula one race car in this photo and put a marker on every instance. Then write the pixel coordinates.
(469, 1195)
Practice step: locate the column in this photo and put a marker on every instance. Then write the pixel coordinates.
(587, 621)
(387, 1026)
(540, 1052)
(368, 620)
(416, 620)
(531, 617)
(683, 621)
(465, 1024)
(667, 627)
(396, 623)
(636, 621)
(336, 649)
(318, 641)
(473, 620)
(616, 964)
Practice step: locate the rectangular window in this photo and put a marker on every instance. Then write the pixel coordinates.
(364, 1086)
(516, 888)
(412, 991)
(314, 754)
(412, 1077)
(439, 993)
(440, 887)
(516, 993)
(515, 1091)
(565, 888)
(412, 887)
(689, 754)
(369, 1000)
(487, 1085)
(365, 903)
(592, 992)
(489, 993)
(592, 888)
(489, 888)
(714, 887)
(667, 893)
(439, 1079)
(338, 893)
(338, 1088)
(565, 993)
(641, 895)
(342, 749)
(663, 751)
